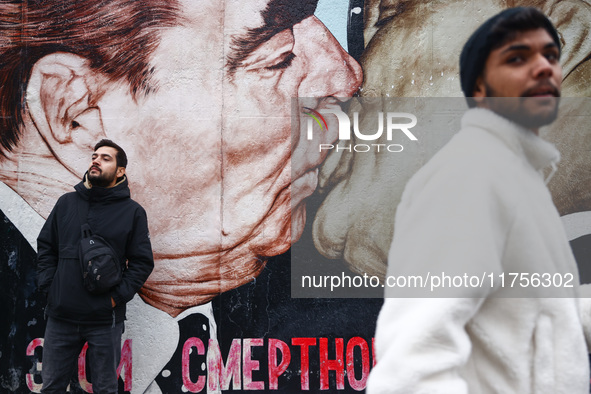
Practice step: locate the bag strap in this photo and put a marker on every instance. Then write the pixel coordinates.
(85, 229)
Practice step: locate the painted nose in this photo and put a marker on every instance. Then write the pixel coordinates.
(330, 71)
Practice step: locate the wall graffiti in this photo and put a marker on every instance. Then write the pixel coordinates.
(200, 96)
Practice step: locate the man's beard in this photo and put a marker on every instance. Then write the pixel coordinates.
(102, 179)
(529, 112)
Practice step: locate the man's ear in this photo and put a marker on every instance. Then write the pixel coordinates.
(479, 91)
(120, 172)
(62, 96)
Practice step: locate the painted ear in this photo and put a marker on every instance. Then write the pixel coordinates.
(62, 96)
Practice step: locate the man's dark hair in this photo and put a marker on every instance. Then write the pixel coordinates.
(495, 33)
(121, 156)
(116, 36)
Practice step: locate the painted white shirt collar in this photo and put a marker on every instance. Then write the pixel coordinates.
(20, 213)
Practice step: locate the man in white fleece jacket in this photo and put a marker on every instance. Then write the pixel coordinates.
(481, 206)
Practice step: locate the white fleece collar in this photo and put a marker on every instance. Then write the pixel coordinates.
(538, 152)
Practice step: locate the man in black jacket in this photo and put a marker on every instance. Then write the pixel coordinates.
(75, 315)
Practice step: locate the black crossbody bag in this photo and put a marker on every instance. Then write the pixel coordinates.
(101, 269)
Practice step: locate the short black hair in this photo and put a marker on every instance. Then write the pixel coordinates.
(121, 156)
(495, 33)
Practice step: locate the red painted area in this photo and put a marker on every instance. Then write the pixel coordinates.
(250, 365)
(84, 383)
(30, 377)
(364, 347)
(337, 364)
(220, 375)
(239, 365)
(124, 365)
(304, 344)
(373, 352)
(193, 387)
(275, 369)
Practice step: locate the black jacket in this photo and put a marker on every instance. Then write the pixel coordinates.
(122, 222)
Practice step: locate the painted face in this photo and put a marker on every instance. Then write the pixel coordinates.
(210, 148)
(526, 68)
(103, 170)
(415, 45)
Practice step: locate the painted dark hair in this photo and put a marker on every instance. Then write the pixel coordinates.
(121, 155)
(116, 36)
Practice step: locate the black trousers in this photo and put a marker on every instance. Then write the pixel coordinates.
(62, 345)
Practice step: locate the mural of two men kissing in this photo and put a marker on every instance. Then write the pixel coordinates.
(199, 93)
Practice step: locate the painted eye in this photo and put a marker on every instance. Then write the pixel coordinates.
(285, 63)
